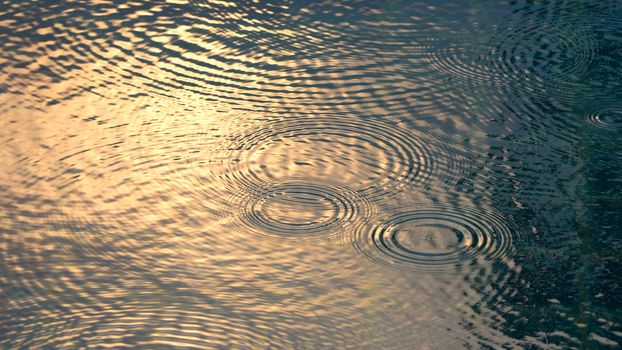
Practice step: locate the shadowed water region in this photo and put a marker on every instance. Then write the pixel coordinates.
(310, 174)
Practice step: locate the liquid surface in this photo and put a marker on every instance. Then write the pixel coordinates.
(310, 174)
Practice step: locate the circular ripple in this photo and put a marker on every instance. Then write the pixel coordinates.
(608, 119)
(437, 239)
(300, 209)
(374, 157)
(526, 50)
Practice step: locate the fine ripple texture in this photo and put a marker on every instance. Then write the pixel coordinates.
(437, 239)
(299, 209)
(531, 54)
(536, 52)
(310, 175)
(374, 157)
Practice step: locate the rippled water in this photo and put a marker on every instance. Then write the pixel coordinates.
(310, 175)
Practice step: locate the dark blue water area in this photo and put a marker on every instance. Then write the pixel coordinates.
(310, 174)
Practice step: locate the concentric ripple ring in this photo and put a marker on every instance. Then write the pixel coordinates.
(374, 157)
(608, 119)
(437, 239)
(525, 53)
(302, 209)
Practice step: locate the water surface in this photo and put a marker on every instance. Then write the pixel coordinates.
(310, 175)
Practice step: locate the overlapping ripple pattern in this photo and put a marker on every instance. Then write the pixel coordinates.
(375, 156)
(290, 174)
(541, 47)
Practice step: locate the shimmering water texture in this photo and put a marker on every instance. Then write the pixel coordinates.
(202, 174)
(437, 239)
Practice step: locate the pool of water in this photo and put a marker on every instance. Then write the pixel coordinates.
(310, 174)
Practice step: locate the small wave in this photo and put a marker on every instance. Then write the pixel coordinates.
(437, 239)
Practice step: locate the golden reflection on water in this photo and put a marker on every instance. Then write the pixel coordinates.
(131, 196)
(161, 258)
(266, 175)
